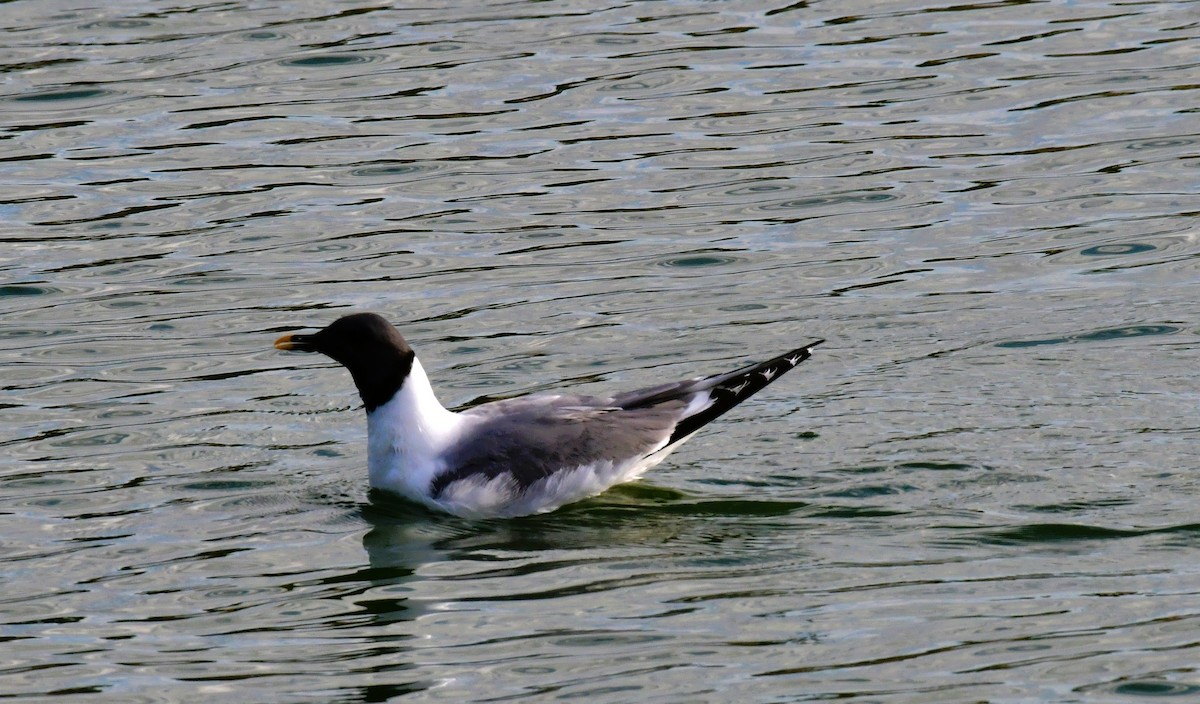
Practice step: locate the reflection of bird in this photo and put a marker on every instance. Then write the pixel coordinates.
(522, 455)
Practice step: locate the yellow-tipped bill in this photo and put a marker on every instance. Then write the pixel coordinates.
(289, 342)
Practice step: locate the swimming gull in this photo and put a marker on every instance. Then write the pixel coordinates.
(522, 455)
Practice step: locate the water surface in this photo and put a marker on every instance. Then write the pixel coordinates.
(982, 488)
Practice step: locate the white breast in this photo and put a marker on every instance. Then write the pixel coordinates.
(406, 437)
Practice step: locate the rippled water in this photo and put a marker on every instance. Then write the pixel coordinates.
(983, 487)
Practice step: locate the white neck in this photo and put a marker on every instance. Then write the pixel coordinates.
(406, 435)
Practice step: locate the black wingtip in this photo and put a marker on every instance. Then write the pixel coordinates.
(735, 387)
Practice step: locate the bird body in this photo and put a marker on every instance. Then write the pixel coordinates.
(518, 456)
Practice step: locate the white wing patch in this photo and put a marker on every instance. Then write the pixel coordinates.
(738, 389)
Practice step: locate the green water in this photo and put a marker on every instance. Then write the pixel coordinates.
(983, 487)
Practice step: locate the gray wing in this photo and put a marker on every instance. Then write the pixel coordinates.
(533, 437)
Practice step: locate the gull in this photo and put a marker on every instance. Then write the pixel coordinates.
(517, 456)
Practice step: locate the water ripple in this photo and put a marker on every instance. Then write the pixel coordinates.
(986, 208)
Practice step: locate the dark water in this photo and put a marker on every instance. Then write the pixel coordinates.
(983, 488)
